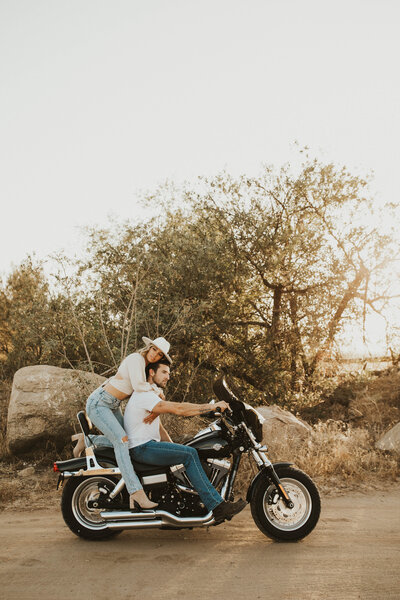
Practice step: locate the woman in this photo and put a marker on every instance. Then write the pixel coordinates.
(103, 409)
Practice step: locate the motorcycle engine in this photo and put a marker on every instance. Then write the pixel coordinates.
(180, 498)
(215, 469)
(176, 500)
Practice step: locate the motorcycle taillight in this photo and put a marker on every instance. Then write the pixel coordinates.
(55, 468)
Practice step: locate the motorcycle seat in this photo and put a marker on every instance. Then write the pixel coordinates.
(104, 452)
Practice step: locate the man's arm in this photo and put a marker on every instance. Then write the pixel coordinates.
(164, 435)
(187, 409)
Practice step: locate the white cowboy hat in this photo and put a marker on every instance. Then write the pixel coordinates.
(161, 344)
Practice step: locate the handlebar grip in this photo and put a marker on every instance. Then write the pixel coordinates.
(209, 415)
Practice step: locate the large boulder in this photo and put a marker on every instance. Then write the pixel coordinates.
(43, 405)
(282, 427)
(391, 440)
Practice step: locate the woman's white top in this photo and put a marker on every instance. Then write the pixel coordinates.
(131, 376)
(139, 406)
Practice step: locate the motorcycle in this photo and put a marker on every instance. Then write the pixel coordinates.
(285, 502)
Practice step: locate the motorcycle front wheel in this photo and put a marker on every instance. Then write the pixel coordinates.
(83, 519)
(274, 518)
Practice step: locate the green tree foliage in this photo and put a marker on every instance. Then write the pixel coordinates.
(24, 322)
(249, 276)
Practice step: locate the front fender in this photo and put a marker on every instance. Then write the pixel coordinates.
(263, 473)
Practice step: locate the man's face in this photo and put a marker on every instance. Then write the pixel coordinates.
(161, 376)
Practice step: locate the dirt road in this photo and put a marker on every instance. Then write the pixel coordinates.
(353, 553)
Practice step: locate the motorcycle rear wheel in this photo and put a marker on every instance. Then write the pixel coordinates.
(83, 520)
(274, 518)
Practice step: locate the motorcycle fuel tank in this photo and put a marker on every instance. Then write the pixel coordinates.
(210, 444)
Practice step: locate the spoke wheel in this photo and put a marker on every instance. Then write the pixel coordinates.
(77, 505)
(274, 518)
(276, 511)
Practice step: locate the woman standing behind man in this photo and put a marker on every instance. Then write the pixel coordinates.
(103, 409)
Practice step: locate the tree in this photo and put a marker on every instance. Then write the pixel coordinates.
(253, 277)
(24, 303)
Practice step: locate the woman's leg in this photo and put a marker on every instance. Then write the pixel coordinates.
(105, 420)
(100, 440)
(119, 416)
(165, 453)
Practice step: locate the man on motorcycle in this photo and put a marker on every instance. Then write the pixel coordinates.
(149, 442)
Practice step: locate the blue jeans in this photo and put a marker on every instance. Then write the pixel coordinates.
(167, 454)
(104, 411)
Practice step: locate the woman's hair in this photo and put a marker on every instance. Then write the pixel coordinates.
(143, 351)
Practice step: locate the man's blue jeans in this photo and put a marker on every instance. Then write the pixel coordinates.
(167, 454)
(104, 411)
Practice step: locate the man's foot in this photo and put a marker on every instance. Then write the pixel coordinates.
(140, 500)
(226, 510)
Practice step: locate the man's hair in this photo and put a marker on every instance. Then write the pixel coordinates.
(154, 366)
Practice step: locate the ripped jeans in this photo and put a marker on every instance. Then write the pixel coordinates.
(104, 411)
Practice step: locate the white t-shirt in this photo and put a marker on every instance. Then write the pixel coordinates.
(139, 406)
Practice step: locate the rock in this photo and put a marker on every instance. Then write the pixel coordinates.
(43, 405)
(391, 440)
(28, 472)
(281, 426)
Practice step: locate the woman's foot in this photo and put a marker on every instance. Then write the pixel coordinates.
(79, 438)
(140, 499)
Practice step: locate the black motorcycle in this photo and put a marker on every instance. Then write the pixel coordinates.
(284, 501)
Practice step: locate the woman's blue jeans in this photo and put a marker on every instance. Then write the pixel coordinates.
(104, 411)
(165, 454)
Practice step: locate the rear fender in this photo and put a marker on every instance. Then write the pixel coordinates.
(263, 474)
(74, 464)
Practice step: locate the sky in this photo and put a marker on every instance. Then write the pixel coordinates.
(101, 101)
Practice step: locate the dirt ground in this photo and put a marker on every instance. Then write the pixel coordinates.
(354, 553)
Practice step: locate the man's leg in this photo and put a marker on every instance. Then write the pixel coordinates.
(165, 454)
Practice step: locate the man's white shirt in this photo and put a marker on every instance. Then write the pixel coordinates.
(139, 406)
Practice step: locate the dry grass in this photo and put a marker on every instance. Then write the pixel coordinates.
(379, 402)
(339, 456)
(368, 401)
(27, 493)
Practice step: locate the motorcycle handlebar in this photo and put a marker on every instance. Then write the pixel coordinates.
(212, 414)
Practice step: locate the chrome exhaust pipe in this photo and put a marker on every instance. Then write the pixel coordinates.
(127, 515)
(158, 518)
(134, 524)
(169, 519)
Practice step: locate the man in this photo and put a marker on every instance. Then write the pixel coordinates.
(149, 442)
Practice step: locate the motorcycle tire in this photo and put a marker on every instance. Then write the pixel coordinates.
(274, 518)
(83, 520)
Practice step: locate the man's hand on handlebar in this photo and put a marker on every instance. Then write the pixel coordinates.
(221, 406)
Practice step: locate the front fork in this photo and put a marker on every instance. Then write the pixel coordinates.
(258, 453)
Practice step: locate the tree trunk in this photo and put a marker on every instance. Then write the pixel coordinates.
(276, 311)
(296, 349)
(335, 321)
